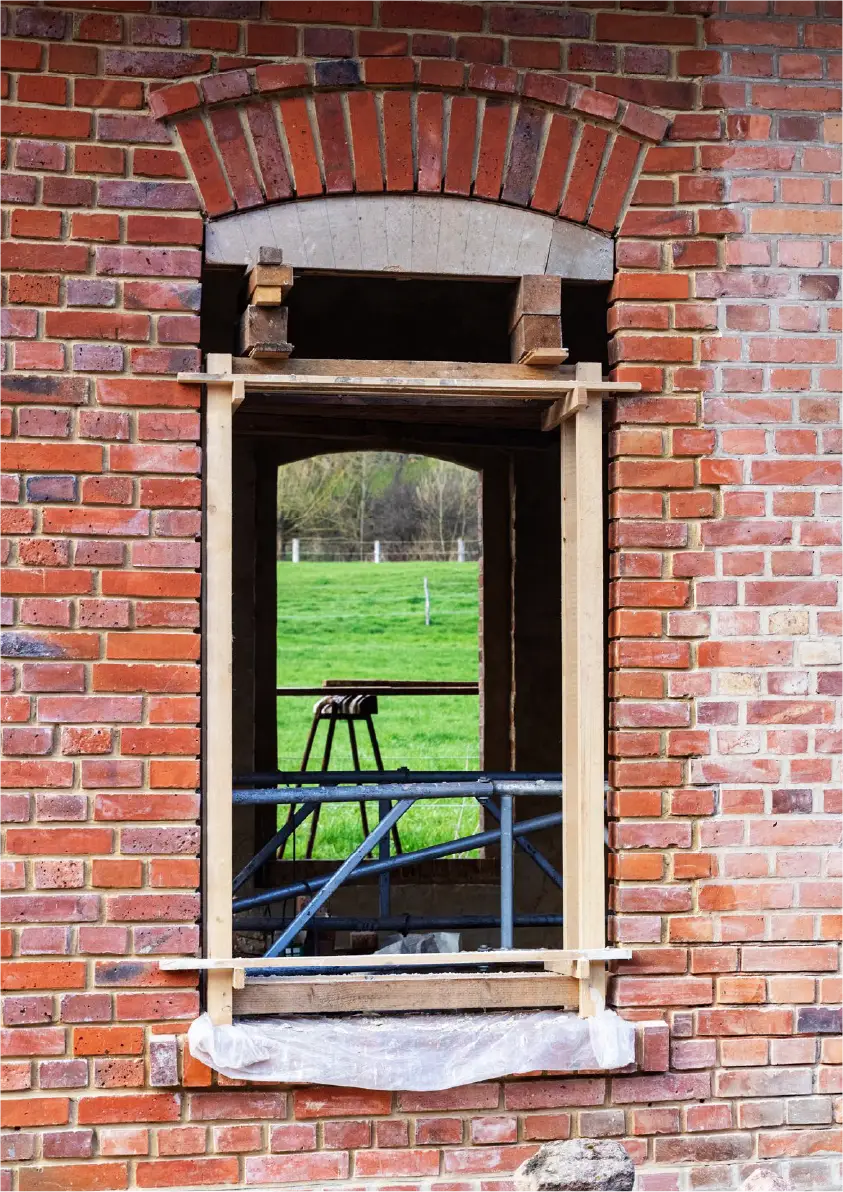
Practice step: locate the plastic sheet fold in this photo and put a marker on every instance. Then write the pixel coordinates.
(412, 1052)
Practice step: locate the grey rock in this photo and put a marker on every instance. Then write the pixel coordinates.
(763, 1181)
(577, 1166)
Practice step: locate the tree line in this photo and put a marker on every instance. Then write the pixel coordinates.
(416, 506)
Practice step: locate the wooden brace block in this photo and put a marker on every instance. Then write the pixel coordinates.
(277, 276)
(545, 357)
(263, 332)
(593, 991)
(577, 399)
(539, 294)
(266, 296)
(220, 1000)
(535, 331)
(563, 968)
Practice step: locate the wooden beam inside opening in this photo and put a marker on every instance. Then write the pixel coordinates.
(407, 992)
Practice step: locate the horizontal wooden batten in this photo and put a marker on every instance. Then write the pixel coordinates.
(510, 956)
(436, 380)
(379, 993)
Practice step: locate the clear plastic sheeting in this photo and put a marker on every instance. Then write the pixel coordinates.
(416, 945)
(419, 1052)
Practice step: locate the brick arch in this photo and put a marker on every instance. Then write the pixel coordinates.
(427, 126)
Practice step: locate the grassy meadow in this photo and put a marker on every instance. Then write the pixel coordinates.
(366, 621)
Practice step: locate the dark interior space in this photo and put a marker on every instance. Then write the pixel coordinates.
(584, 309)
(396, 317)
(399, 318)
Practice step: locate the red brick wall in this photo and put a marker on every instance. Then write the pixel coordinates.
(725, 590)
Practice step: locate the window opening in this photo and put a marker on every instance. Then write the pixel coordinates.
(501, 421)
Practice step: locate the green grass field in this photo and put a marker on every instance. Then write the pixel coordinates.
(366, 621)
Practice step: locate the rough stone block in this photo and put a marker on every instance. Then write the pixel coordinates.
(577, 1165)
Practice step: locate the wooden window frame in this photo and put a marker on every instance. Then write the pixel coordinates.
(576, 974)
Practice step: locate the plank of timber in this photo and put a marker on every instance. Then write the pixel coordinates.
(377, 993)
(357, 385)
(271, 275)
(218, 685)
(400, 372)
(535, 331)
(544, 357)
(583, 738)
(438, 369)
(393, 959)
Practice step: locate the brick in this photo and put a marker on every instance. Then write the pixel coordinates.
(302, 152)
(35, 1111)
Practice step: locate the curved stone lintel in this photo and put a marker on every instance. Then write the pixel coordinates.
(413, 234)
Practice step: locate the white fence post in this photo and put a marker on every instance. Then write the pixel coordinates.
(296, 558)
(377, 557)
(460, 550)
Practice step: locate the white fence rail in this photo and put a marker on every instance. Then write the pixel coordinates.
(378, 550)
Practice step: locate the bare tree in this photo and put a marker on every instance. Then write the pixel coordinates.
(446, 497)
(349, 499)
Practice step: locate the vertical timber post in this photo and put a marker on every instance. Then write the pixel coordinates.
(217, 769)
(583, 734)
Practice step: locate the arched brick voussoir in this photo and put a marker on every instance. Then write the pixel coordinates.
(303, 129)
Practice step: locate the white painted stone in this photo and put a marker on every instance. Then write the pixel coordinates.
(763, 1180)
(738, 683)
(789, 622)
(371, 230)
(482, 222)
(425, 239)
(399, 231)
(287, 230)
(263, 228)
(345, 233)
(316, 234)
(419, 233)
(824, 653)
(453, 236)
(580, 254)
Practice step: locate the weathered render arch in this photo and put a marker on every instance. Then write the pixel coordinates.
(433, 234)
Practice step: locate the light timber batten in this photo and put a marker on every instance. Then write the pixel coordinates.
(583, 738)
(397, 960)
(221, 402)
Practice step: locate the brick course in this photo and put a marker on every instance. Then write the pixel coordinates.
(710, 132)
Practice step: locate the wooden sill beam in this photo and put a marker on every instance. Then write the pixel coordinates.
(406, 992)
